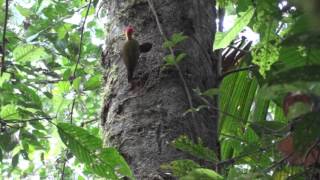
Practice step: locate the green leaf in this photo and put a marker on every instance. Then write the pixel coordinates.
(198, 150)
(31, 98)
(93, 82)
(202, 173)
(105, 162)
(91, 11)
(223, 39)
(23, 11)
(9, 112)
(28, 52)
(175, 39)
(170, 60)
(31, 139)
(243, 5)
(76, 84)
(237, 94)
(178, 37)
(180, 57)
(211, 92)
(4, 78)
(63, 30)
(261, 106)
(168, 44)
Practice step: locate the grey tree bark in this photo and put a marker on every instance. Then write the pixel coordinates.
(142, 122)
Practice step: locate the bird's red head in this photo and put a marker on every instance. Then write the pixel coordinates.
(129, 30)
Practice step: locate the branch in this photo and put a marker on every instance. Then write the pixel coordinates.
(88, 122)
(2, 65)
(72, 109)
(11, 121)
(250, 67)
(61, 20)
(172, 53)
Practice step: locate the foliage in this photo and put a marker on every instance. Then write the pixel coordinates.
(51, 86)
(105, 162)
(52, 78)
(173, 59)
(185, 144)
(223, 39)
(259, 108)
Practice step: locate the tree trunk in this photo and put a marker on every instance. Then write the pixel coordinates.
(142, 122)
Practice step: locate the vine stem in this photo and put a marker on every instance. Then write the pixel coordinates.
(72, 79)
(78, 59)
(186, 89)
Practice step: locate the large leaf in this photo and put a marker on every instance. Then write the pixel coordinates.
(30, 97)
(261, 106)
(28, 52)
(23, 11)
(105, 162)
(94, 82)
(237, 95)
(223, 39)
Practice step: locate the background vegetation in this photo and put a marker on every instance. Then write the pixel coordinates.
(50, 93)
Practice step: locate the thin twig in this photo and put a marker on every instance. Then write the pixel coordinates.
(250, 67)
(172, 53)
(81, 40)
(72, 109)
(235, 159)
(63, 168)
(310, 149)
(3, 67)
(58, 22)
(12, 121)
(278, 163)
(74, 76)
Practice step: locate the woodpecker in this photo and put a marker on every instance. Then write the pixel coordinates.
(131, 51)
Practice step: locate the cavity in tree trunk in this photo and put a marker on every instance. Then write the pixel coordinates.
(142, 122)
